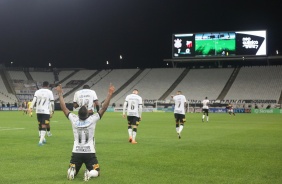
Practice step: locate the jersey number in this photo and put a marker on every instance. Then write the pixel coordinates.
(132, 105)
(179, 104)
(83, 136)
(41, 101)
(83, 102)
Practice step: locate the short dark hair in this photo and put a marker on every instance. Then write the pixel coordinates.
(83, 113)
(45, 84)
(206, 97)
(86, 87)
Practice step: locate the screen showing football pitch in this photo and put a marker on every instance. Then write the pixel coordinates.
(215, 44)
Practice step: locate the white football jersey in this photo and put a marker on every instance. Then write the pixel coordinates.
(205, 104)
(133, 102)
(85, 97)
(84, 133)
(179, 104)
(42, 100)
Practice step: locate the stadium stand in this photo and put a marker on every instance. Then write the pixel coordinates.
(43, 76)
(92, 76)
(18, 75)
(117, 77)
(256, 84)
(152, 83)
(5, 96)
(199, 83)
(64, 74)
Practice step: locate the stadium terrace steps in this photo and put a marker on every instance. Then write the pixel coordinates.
(229, 83)
(257, 83)
(128, 82)
(280, 99)
(5, 94)
(67, 77)
(173, 86)
(42, 76)
(7, 81)
(28, 76)
(78, 86)
(151, 83)
(127, 89)
(81, 75)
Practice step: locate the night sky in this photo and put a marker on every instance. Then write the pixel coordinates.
(87, 33)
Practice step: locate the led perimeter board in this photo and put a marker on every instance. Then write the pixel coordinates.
(218, 44)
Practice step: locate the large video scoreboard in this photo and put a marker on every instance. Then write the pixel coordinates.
(218, 44)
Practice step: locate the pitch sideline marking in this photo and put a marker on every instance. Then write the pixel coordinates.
(8, 128)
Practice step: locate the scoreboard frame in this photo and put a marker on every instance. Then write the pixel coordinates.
(221, 44)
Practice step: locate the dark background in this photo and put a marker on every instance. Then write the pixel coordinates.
(87, 33)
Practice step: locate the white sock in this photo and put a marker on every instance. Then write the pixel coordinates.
(134, 135)
(207, 118)
(69, 171)
(180, 128)
(203, 117)
(42, 135)
(130, 132)
(93, 173)
(177, 129)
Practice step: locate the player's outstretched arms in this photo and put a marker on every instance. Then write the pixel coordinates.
(107, 101)
(61, 98)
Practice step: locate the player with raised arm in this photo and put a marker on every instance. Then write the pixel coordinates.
(179, 111)
(44, 101)
(133, 107)
(86, 97)
(83, 127)
(205, 103)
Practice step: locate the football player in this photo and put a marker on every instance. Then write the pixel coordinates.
(133, 102)
(179, 111)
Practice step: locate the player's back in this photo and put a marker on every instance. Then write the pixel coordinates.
(205, 103)
(84, 133)
(85, 97)
(133, 101)
(43, 100)
(179, 104)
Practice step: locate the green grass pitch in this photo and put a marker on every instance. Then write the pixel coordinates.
(246, 148)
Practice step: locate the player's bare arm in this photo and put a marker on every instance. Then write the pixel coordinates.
(61, 98)
(108, 99)
(124, 107)
(96, 103)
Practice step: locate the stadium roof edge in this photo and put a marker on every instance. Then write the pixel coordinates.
(192, 59)
(229, 58)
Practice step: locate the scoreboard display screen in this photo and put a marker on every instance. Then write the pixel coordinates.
(219, 44)
(184, 45)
